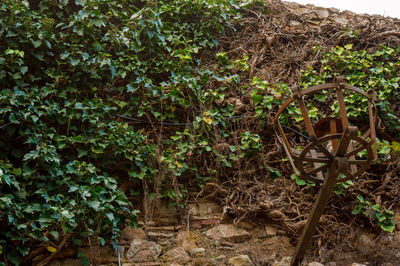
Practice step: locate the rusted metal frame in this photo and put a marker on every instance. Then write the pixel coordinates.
(341, 85)
(340, 98)
(284, 139)
(358, 162)
(347, 135)
(379, 124)
(325, 87)
(316, 165)
(318, 141)
(302, 157)
(338, 164)
(316, 170)
(344, 154)
(323, 149)
(364, 164)
(353, 167)
(304, 112)
(330, 86)
(302, 173)
(350, 175)
(307, 175)
(315, 158)
(332, 124)
(311, 133)
(372, 131)
(327, 138)
(315, 215)
(343, 113)
(280, 110)
(364, 145)
(356, 151)
(290, 157)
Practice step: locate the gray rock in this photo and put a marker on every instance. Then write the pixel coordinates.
(270, 231)
(142, 250)
(228, 232)
(240, 260)
(186, 239)
(295, 24)
(129, 234)
(197, 252)
(322, 13)
(176, 255)
(218, 260)
(341, 21)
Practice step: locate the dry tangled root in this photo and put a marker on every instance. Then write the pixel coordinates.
(280, 44)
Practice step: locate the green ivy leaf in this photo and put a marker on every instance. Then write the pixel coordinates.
(37, 43)
(24, 69)
(388, 227)
(16, 171)
(80, 2)
(257, 99)
(129, 88)
(95, 204)
(320, 97)
(13, 119)
(74, 61)
(110, 216)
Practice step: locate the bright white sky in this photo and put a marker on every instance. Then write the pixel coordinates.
(387, 8)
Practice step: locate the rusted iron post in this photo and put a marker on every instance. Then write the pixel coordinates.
(333, 150)
(315, 215)
(338, 164)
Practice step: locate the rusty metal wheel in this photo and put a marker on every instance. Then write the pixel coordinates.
(315, 159)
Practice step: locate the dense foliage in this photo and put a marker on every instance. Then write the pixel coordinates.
(66, 67)
(74, 73)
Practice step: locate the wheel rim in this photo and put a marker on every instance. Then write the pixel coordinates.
(316, 158)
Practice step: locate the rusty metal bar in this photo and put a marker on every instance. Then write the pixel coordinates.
(372, 130)
(332, 125)
(343, 114)
(307, 120)
(316, 164)
(345, 141)
(315, 215)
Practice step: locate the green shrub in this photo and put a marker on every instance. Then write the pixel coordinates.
(66, 69)
(383, 216)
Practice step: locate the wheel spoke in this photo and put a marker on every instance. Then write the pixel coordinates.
(361, 170)
(315, 160)
(324, 150)
(318, 169)
(355, 151)
(358, 162)
(347, 174)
